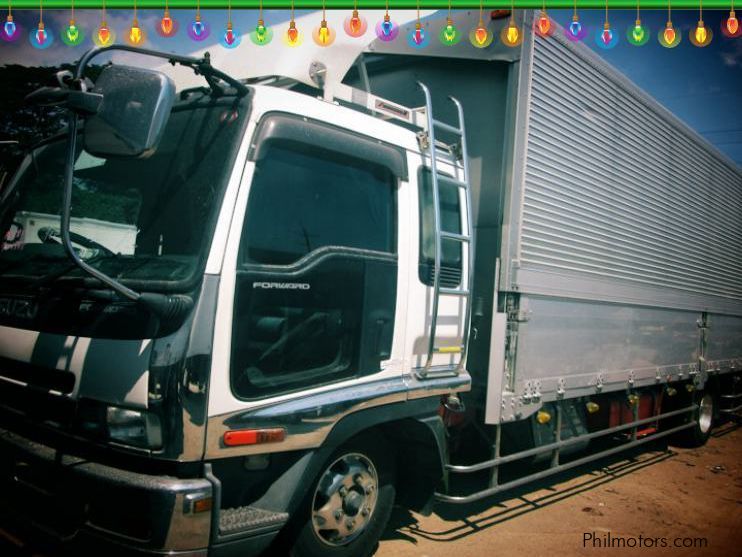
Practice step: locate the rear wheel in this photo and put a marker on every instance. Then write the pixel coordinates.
(349, 507)
(697, 435)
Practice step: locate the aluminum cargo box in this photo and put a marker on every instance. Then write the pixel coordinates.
(621, 260)
(613, 198)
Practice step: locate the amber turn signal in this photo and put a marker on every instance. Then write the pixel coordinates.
(254, 436)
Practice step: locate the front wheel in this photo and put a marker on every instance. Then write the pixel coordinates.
(350, 504)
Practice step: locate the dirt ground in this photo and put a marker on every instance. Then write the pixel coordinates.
(692, 498)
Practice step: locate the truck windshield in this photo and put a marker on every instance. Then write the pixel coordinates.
(147, 221)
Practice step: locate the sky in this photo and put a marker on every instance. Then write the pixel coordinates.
(702, 86)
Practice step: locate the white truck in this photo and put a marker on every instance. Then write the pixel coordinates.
(338, 275)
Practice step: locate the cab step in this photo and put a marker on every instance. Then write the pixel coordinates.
(249, 519)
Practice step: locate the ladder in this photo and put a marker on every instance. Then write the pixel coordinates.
(465, 239)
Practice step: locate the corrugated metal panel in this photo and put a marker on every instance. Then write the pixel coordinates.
(617, 192)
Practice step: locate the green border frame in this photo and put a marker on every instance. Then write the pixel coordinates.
(378, 4)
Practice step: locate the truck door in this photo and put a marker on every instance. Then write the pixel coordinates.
(316, 283)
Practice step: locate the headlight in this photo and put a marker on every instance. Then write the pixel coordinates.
(134, 427)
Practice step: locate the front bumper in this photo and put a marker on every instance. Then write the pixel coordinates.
(68, 505)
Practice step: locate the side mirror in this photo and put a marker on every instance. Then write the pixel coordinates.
(134, 109)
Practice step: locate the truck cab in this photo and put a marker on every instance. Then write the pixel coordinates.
(288, 377)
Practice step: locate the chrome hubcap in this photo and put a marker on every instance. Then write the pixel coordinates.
(345, 499)
(705, 413)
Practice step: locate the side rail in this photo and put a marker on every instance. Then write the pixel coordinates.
(555, 447)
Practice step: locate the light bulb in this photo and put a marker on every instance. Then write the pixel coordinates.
(418, 35)
(10, 26)
(135, 33)
(700, 32)
(72, 31)
(260, 31)
(669, 33)
(575, 27)
(324, 32)
(41, 34)
(480, 35)
(638, 31)
(198, 26)
(449, 31)
(607, 35)
(355, 23)
(544, 23)
(512, 33)
(229, 37)
(732, 23)
(292, 35)
(387, 26)
(166, 24)
(104, 34)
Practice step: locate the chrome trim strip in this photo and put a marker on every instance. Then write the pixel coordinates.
(309, 419)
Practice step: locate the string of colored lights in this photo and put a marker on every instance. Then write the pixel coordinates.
(367, 4)
(356, 26)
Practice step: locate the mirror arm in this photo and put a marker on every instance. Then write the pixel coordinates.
(201, 66)
(66, 217)
(166, 307)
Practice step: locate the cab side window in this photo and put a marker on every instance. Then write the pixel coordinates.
(316, 288)
(301, 201)
(450, 222)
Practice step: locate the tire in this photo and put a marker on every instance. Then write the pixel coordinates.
(697, 435)
(366, 470)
